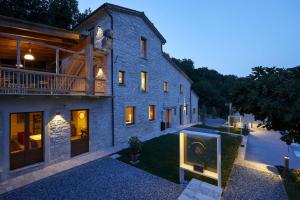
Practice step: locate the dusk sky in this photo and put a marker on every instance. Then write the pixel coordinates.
(228, 36)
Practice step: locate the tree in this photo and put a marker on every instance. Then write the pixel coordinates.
(272, 95)
(59, 13)
(214, 112)
(212, 87)
(203, 112)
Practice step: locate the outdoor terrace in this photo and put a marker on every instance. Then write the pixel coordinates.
(42, 60)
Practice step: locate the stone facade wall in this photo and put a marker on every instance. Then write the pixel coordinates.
(128, 30)
(59, 135)
(56, 121)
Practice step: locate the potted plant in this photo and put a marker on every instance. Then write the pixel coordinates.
(135, 146)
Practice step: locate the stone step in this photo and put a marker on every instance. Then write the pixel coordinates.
(198, 190)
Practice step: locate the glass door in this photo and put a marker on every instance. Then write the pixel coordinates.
(168, 118)
(26, 139)
(79, 132)
(181, 115)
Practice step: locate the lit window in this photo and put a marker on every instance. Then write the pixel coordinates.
(187, 109)
(129, 115)
(144, 81)
(143, 47)
(166, 86)
(181, 88)
(121, 77)
(151, 110)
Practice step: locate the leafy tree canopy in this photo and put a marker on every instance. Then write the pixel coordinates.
(272, 95)
(212, 87)
(59, 13)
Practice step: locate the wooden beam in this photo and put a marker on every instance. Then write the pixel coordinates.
(23, 25)
(18, 53)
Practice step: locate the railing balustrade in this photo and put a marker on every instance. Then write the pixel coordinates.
(19, 81)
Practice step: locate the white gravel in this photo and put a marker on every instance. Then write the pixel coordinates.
(101, 179)
(250, 184)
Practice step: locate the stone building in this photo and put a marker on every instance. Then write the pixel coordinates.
(66, 93)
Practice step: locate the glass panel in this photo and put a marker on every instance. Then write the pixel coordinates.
(151, 112)
(121, 77)
(168, 118)
(143, 47)
(17, 132)
(201, 153)
(129, 115)
(79, 132)
(166, 87)
(143, 81)
(79, 125)
(35, 130)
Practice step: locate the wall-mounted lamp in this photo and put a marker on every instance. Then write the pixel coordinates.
(100, 74)
(81, 115)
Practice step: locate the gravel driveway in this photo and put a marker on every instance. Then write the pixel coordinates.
(250, 184)
(101, 179)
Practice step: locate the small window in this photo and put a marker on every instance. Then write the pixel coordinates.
(166, 86)
(144, 81)
(143, 47)
(194, 110)
(130, 115)
(151, 111)
(181, 88)
(121, 77)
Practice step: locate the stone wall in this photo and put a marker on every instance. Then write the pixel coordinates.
(59, 135)
(56, 121)
(128, 30)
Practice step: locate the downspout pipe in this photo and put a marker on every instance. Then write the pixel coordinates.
(112, 79)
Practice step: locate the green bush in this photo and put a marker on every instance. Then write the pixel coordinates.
(135, 144)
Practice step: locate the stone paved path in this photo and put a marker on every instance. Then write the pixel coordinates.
(251, 180)
(100, 179)
(266, 147)
(251, 184)
(199, 190)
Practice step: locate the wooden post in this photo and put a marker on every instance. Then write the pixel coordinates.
(219, 166)
(57, 61)
(18, 53)
(18, 65)
(90, 70)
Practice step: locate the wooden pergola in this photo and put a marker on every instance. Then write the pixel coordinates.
(63, 60)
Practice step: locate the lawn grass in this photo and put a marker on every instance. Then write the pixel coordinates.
(224, 129)
(291, 183)
(160, 156)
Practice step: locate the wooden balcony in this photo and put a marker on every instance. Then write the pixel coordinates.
(28, 82)
(55, 70)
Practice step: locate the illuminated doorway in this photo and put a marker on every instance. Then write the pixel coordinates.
(26, 139)
(79, 132)
(168, 118)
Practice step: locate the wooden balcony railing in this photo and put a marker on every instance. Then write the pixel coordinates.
(19, 81)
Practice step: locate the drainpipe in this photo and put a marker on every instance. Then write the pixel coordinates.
(112, 80)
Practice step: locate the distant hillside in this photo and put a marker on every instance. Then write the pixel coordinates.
(213, 88)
